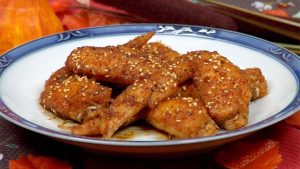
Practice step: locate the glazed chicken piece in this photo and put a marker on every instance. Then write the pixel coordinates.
(114, 64)
(91, 125)
(139, 41)
(142, 93)
(187, 89)
(258, 83)
(122, 64)
(223, 89)
(158, 79)
(159, 50)
(256, 79)
(145, 92)
(182, 118)
(73, 97)
(153, 73)
(94, 126)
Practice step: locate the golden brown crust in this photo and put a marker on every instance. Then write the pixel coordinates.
(187, 89)
(144, 92)
(258, 83)
(91, 127)
(139, 41)
(182, 118)
(114, 64)
(120, 64)
(159, 50)
(150, 79)
(256, 79)
(223, 89)
(173, 87)
(72, 96)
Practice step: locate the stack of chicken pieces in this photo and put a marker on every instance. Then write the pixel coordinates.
(187, 96)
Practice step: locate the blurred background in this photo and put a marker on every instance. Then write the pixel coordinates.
(274, 20)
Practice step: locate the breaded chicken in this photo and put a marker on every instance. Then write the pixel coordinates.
(187, 89)
(142, 93)
(114, 64)
(91, 125)
(73, 97)
(183, 93)
(159, 50)
(158, 78)
(256, 79)
(140, 41)
(95, 123)
(223, 89)
(182, 118)
(258, 83)
(122, 64)
(145, 92)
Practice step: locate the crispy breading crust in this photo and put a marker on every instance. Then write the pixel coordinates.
(173, 87)
(258, 83)
(114, 64)
(159, 50)
(161, 76)
(256, 79)
(144, 92)
(182, 118)
(72, 96)
(223, 89)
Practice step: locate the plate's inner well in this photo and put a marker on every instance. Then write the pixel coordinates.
(23, 81)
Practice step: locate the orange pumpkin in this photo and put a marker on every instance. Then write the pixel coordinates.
(25, 20)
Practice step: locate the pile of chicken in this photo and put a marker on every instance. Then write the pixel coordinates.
(186, 96)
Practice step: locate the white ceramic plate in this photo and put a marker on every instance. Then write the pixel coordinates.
(25, 69)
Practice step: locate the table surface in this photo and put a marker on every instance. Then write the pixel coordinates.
(15, 141)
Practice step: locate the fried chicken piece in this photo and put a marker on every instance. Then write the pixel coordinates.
(153, 73)
(256, 79)
(121, 111)
(125, 107)
(144, 92)
(73, 97)
(223, 89)
(91, 125)
(258, 83)
(187, 89)
(139, 41)
(123, 65)
(120, 65)
(182, 118)
(159, 50)
(109, 64)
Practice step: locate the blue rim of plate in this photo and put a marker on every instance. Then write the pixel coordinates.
(290, 60)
